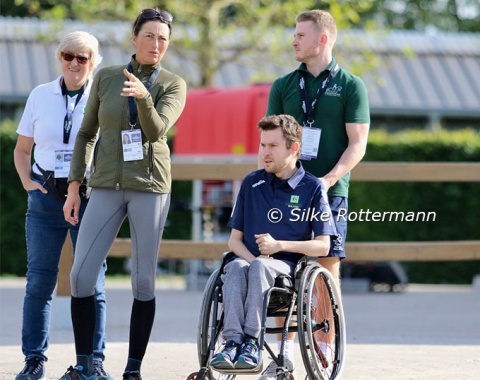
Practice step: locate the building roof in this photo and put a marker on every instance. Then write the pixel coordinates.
(418, 73)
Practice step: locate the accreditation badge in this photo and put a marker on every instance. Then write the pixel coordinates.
(63, 159)
(132, 145)
(310, 143)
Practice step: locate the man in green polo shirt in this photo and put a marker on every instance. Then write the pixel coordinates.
(332, 105)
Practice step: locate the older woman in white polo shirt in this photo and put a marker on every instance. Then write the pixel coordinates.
(50, 122)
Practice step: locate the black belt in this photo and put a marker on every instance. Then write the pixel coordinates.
(41, 177)
(38, 177)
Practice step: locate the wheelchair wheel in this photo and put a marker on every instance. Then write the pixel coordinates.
(211, 322)
(322, 335)
(194, 376)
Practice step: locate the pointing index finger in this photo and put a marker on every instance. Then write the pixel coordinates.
(129, 75)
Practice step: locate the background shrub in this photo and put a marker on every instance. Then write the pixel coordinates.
(456, 204)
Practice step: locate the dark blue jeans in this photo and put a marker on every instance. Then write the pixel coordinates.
(46, 232)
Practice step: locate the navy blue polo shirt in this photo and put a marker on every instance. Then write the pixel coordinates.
(288, 209)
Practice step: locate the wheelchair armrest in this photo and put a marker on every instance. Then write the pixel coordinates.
(225, 258)
(227, 255)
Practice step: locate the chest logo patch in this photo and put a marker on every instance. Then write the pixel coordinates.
(335, 90)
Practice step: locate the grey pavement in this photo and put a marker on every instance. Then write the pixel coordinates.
(425, 333)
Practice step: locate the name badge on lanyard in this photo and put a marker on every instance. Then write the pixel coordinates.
(132, 139)
(311, 135)
(310, 143)
(63, 159)
(132, 145)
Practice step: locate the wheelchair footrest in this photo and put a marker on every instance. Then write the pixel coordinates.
(251, 371)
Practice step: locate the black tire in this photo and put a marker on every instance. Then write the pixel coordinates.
(194, 376)
(322, 324)
(205, 322)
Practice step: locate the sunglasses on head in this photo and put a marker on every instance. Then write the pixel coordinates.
(163, 16)
(70, 57)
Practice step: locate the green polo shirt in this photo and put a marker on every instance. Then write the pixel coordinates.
(344, 101)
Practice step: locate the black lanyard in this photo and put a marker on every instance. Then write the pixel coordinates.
(308, 106)
(67, 121)
(131, 102)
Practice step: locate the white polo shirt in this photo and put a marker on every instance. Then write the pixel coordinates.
(43, 119)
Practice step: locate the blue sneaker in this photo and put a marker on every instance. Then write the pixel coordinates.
(226, 358)
(76, 373)
(34, 369)
(249, 353)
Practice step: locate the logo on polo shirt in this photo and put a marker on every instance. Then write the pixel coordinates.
(294, 201)
(258, 183)
(334, 90)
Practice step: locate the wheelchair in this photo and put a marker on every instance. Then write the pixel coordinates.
(311, 305)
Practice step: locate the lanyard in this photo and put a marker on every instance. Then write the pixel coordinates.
(67, 121)
(308, 106)
(131, 102)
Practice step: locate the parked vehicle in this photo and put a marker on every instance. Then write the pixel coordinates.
(388, 276)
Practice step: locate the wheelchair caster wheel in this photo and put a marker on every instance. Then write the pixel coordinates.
(194, 376)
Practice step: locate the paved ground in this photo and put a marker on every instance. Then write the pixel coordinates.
(426, 333)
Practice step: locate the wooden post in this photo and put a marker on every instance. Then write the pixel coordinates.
(64, 267)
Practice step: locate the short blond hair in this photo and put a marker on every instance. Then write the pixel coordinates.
(324, 21)
(76, 42)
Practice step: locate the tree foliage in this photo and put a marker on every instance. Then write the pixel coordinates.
(446, 15)
(225, 30)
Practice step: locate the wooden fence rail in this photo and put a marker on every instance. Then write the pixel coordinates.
(235, 168)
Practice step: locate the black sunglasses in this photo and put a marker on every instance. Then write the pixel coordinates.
(70, 57)
(163, 16)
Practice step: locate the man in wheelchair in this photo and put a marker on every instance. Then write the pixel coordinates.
(277, 211)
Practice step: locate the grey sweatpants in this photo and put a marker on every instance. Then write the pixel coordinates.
(105, 213)
(244, 287)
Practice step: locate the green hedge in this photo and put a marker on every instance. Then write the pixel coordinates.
(13, 205)
(456, 205)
